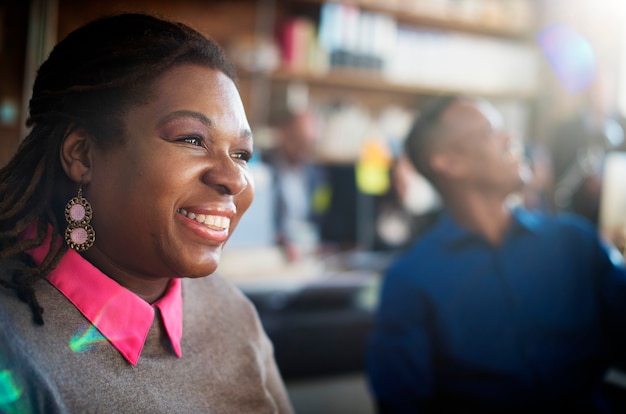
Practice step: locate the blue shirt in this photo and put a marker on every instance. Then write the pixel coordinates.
(528, 323)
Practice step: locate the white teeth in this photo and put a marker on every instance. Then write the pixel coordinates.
(216, 222)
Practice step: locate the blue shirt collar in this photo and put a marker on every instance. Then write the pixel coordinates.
(454, 234)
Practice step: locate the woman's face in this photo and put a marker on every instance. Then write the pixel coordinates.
(167, 199)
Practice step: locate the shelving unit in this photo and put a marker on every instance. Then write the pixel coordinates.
(448, 22)
(406, 17)
(362, 80)
(377, 89)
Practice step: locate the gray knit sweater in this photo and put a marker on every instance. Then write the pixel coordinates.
(227, 364)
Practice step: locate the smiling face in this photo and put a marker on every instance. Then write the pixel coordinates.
(167, 199)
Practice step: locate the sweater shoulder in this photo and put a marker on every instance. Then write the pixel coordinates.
(215, 287)
(220, 298)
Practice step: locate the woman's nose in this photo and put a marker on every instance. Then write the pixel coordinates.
(227, 175)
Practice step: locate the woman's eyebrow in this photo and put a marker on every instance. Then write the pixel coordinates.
(246, 133)
(185, 114)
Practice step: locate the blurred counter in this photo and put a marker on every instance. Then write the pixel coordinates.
(318, 312)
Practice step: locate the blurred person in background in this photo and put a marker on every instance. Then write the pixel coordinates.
(579, 142)
(578, 148)
(299, 182)
(493, 309)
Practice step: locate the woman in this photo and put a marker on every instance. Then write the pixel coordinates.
(112, 212)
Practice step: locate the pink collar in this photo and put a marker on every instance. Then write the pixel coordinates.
(121, 316)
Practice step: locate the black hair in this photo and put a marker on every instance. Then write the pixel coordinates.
(423, 134)
(89, 80)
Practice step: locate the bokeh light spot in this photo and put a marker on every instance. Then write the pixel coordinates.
(9, 391)
(570, 55)
(85, 339)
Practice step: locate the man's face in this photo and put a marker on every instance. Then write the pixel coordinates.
(485, 156)
(300, 137)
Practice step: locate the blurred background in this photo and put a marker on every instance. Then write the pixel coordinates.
(330, 90)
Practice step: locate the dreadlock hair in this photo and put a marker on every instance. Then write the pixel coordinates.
(89, 80)
(424, 132)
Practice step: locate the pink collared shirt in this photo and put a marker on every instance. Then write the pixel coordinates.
(121, 316)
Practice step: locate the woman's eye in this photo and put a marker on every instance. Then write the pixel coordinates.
(191, 140)
(243, 155)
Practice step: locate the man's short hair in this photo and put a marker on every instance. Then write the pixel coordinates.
(423, 133)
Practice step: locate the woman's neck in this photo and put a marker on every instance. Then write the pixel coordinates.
(147, 288)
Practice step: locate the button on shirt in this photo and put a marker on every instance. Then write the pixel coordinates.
(524, 324)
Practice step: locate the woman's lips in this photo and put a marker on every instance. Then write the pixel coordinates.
(211, 227)
(212, 221)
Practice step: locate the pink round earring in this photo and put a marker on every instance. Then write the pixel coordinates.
(79, 235)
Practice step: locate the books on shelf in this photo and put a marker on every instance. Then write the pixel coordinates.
(354, 38)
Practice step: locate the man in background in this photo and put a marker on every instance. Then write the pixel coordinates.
(494, 308)
(297, 183)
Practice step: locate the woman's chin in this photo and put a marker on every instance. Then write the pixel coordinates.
(195, 269)
(201, 272)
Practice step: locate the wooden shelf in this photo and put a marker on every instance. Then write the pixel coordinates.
(447, 23)
(360, 79)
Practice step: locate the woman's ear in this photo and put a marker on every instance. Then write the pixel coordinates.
(76, 154)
